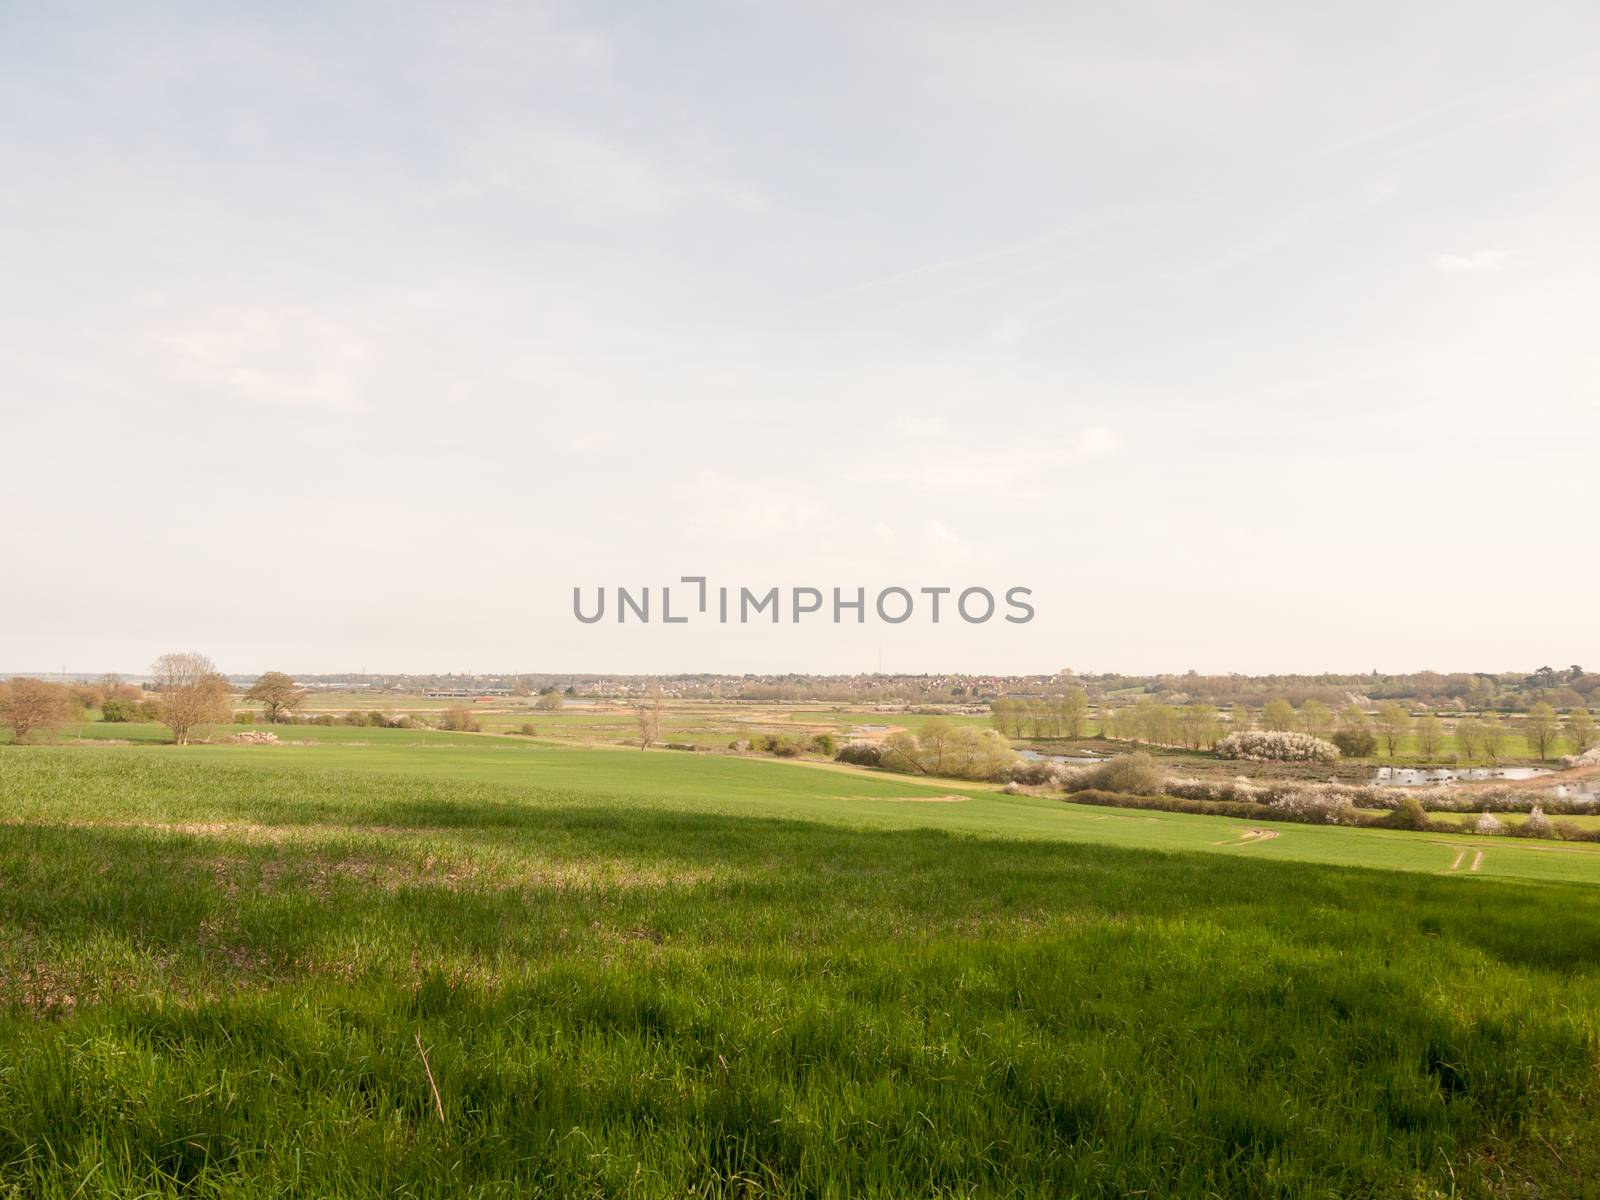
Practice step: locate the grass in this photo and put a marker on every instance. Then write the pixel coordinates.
(671, 974)
(739, 786)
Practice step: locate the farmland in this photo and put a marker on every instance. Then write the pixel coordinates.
(662, 973)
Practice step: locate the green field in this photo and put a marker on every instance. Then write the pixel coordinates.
(664, 974)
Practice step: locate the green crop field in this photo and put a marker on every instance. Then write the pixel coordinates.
(390, 962)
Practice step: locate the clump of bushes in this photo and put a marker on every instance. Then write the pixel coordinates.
(859, 754)
(1355, 743)
(1312, 808)
(943, 748)
(459, 719)
(1274, 745)
(117, 711)
(1040, 773)
(1135, 774)
(1409, 814)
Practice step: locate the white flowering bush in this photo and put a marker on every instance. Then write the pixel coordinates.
(1267, 745)
(1489, 825)
(1537, 824)
(1316, 808)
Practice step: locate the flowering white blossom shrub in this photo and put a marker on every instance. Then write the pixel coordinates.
(1266, 745)
(1489, 825)
(1317, 808)
(1537, 824)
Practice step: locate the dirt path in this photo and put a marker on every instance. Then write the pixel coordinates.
(1250, 837)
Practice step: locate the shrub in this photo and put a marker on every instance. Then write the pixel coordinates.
(1537, 825)
(1039, 773)
(953, 751)
(244, 717)
(459, 719)
(1355, 743)
(148, 710)
(1268, 745)
(1313, 808)
(1489, 825)
(117, 711)
(1134, 774)
(859, 754)
(1408, 814)
(823, 743)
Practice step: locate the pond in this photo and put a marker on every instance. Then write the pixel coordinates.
(1423, 776)
(1074, 760)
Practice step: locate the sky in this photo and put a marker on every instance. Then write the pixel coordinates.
(1249, 336)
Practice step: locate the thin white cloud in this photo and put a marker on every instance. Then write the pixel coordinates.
(1478, 260)
(945, 545)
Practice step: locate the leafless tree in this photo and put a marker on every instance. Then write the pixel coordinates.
(648, 712)
(193, 693)
(29, 706)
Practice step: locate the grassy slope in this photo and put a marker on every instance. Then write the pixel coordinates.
(634, 978)
(740, 786)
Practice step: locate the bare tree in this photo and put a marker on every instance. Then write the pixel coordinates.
(193, 693)
(277, 695)
(29, 706)
(648, 712)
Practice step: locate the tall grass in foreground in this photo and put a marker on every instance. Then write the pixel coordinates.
(224, 980)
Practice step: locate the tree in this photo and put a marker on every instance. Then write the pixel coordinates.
(1316, 718)
(648, 713)
(933, 739)
(193, 694)
(1074, 710)
(1469, 737)
(1394, 722)
(277, 695)
(1494, 736)
(1430, 735)
(1540, 727)
(1108, 720)
(1199, 725)
(1580, 730)
(29, 706)
(1238, 719)
(1278, 715)
(549, 702)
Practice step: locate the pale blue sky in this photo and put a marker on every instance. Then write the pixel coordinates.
(1251, 337)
